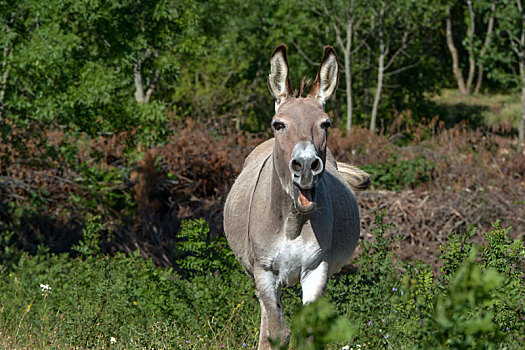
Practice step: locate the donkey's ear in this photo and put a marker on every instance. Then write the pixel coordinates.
(279, 78)
(327, 77)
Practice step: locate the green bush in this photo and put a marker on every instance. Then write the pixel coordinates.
(90, 243)
(456, 251)
(316, 325)
(397, 174)
(463, 315)
(196, 253)
(9, 253)
(481, 302)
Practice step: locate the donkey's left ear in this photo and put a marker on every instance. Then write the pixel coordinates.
(327, 77)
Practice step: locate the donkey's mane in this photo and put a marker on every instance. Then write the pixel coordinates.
(305, 83)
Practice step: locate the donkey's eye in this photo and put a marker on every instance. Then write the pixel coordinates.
(278, 125)
(326, 124)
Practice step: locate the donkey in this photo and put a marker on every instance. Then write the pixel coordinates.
(291, 215)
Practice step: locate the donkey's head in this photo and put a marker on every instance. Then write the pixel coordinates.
(301, 127)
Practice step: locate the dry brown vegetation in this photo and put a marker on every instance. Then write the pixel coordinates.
(46, 193)
(477, 178)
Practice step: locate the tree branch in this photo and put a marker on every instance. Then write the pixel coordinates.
(486, 43)
(152, 86)
(404, 44)
(402, 69)
(305, 56)
(5, 75)
(514, 42)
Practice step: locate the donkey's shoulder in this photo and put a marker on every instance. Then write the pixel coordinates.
(260, 153)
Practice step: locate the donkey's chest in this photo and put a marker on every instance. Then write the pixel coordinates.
(293, 258)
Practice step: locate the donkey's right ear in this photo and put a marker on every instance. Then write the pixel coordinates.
(279, 78)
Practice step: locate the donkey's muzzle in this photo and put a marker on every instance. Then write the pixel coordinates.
(305, 165)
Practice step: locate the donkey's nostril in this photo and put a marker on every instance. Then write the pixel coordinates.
(296, 166)
(316, 164)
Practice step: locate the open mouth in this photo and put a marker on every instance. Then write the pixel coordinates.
(304, 199)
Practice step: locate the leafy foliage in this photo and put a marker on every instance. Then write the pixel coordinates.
(76, 64)
(90, 243)
(316, 325)
(456, 251)
(397, 174)
(463, 316)
(199, 254)
(90, 299)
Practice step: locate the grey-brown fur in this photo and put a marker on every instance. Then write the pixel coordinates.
(281, 233)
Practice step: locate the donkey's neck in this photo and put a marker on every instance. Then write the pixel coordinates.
(283, 209)
(293, 223)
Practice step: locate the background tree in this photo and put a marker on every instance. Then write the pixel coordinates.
(511, 33)
(94, 66)
(397, 29)
(227, 82)
(486, 46)
(102, 67)
(479, 18)
(379, 43)
(345, 19)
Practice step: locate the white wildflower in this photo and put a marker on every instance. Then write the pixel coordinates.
(112, 340)
(46, 289)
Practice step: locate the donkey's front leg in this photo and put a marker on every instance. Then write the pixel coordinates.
(313, 282)
(273, 325)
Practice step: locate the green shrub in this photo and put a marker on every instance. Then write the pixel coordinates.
(316, 325)
(9, 253)
(95, 298)
(507, 257)
(463, 316)
(456, 251)
(502, 253)
(397, 174)
(481, 305)
(90, 243)
(199, 254)
(103, 187)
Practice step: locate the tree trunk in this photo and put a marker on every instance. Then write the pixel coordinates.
(377, 97)
(348, 74)
(521, 56)
(486, 43)
(140, 96)
(454, 54)
(521, 127)
(470, 47)
(5, 75)
(139, 88)
(380, 70)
